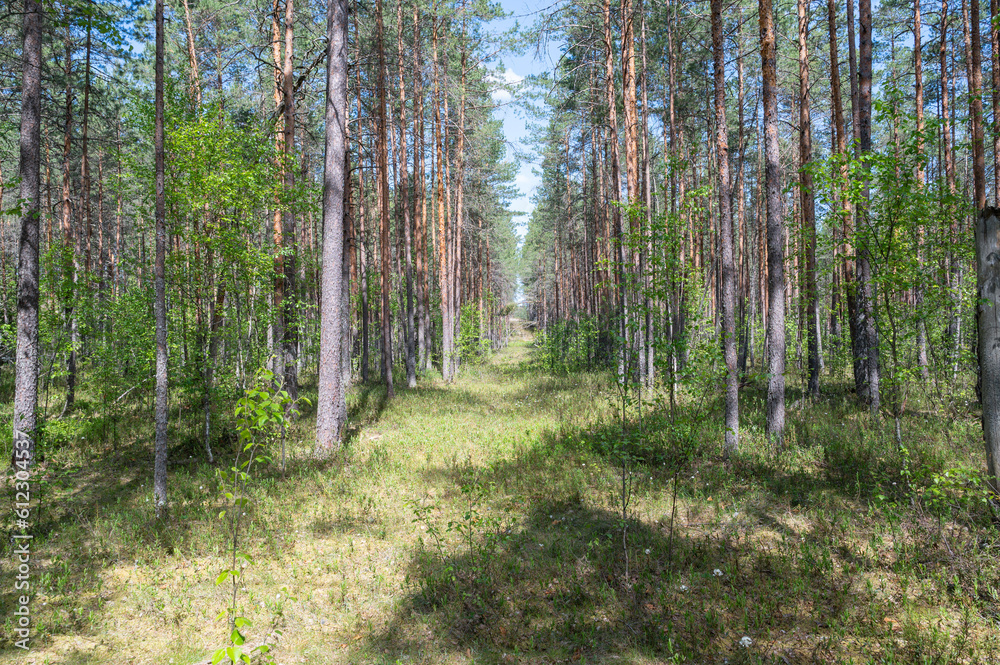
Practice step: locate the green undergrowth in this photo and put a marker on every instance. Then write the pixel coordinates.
(482, 521)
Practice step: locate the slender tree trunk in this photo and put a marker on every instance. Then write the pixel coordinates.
(420, 220)
(806, 203)
(442, 239)
(276, 332)
(119, 240)
(159, 278)
(101, 258)
(411, 350)
(918, 90)
(362, 246)
(852, 61)
(215, 315)
(647, 196)
(85, 158)
(26, 360)
(955, 321)
(976, 94)
(459, 219)
(614, 194)
(745, 299)
(69, 246)
(290, 324)
(383, 192)
(726, 233)
(775, 425)
(331, 407)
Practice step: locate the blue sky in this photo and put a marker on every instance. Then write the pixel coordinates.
(515, 123)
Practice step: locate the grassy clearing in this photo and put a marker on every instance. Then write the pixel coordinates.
(482, 522)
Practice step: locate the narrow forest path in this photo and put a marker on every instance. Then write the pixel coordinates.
(480, 522)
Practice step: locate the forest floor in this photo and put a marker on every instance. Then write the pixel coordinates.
(482, 522)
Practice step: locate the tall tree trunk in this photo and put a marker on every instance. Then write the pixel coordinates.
(69, 246)
(852, 62)
(159, 279)
(988, 278)
(745, 293)
(276, 332)
(918, 90)
(976, 94)
(806, 203)
(331, 406)
(383, 192)
(614, 194)
(422, 313)
(290, 332)
(634, 188)
(995, 72)
(85, 158)
(215, 316)
(362, 246)
(447, 348)
(647, 200)
(955, 321)
(726, 233)
(26, 360)
(775, 424)
(411, 350)
(459, 219)
(868, 391)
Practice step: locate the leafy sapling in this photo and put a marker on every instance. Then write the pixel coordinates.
(260, 419)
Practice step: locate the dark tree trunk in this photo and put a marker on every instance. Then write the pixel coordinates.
(995, 71)
(955, 321)
(806, 202)
(988, 321)
(383, 194)
(69, 246)
(26, 361)
(614, 194)
(976, 90)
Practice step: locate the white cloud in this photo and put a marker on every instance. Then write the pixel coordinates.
(503, 84)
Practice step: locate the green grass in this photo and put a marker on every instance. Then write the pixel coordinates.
(482, 522)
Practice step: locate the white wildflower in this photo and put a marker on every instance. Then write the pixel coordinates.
(717, 572)
(745, 641)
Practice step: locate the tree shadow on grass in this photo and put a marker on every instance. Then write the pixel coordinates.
(559, 586)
